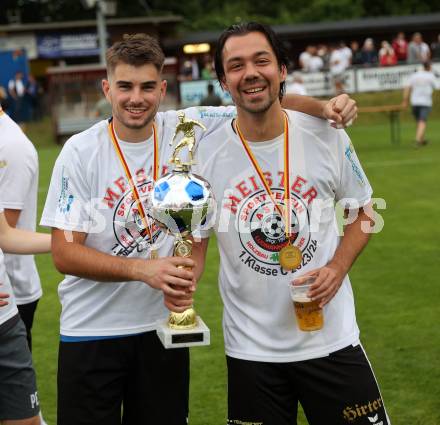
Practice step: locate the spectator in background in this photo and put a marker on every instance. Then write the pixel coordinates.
(186, 71)
(418, 50)
(323, 53)
(189, 70)
(295, 85)
(356, 54)
(32, 97)
(211, 99)
(338, 65)
(315, 63)
(195, 70)
(208, 70)
(346, 53)
(369, 53)
(419, 94)
(400, 47)
(304, 58)
(310, 61)
(435, 49)
(17, 91)
(387, 56)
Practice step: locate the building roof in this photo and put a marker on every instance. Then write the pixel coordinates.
(334, 29)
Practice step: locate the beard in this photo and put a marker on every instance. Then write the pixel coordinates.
(257, 106)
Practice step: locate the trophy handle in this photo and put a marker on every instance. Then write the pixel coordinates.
(188, 318)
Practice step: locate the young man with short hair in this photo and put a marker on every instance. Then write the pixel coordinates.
(276, 175)
(116, 260)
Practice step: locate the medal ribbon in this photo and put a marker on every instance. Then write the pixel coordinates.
(128, 174)
(287, 211)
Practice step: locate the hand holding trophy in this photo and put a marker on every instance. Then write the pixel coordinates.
(180, 203)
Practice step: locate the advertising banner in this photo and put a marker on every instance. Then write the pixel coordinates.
(192, 92)
(67, 45)
(27, 42)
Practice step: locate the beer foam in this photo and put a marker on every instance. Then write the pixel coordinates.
(301, 298)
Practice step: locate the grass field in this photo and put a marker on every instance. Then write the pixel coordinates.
(395, 281)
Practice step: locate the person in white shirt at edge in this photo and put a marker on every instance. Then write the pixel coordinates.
(19, 403)
(272, 365)
(19, 189)
(105, 244)
(418, 92)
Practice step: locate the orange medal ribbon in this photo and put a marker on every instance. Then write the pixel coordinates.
(286, 214)
(290, 256)
(129, 176)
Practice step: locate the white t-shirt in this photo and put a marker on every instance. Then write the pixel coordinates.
(422, 84)
(347, 55)
(315, 64)
(19, 189)
(88, 173)
(259, 321)
(9, 310)
(338, 62)
(18, 86)
(304, 59)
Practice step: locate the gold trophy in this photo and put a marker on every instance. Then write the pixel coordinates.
(180, 202)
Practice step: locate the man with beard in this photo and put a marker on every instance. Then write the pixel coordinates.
(112, 366)
(276, 175)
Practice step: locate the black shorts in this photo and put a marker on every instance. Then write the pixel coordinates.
(131, 380)
(421, 113)
(337, 389)
(18, 391)
(27, 312)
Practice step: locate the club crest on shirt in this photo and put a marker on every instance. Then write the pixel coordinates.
(262, 231)
(128, 226)
(3, 163)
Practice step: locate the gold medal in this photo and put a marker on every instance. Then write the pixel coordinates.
(290, 257)
(154, 254)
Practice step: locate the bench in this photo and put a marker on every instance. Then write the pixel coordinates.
(393, 112)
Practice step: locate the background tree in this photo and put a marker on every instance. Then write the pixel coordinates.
(212, 14)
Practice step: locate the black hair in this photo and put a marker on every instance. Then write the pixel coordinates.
(210, 88)
(244, 29)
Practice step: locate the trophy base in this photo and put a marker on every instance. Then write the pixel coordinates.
(173, 338)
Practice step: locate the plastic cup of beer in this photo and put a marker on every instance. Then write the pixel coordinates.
(308, 313)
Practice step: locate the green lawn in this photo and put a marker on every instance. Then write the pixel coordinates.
(395, 282)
